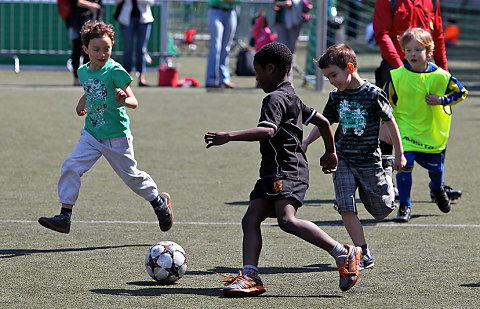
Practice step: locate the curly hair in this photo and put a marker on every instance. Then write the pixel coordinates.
(277, 54)
(95, 29)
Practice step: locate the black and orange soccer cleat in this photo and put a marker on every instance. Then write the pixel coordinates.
(349, 267)
(242, 285)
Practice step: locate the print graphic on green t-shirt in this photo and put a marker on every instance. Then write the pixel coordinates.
(352, 116)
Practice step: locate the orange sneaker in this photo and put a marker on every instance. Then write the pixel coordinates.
(349, 267)
(242, 285)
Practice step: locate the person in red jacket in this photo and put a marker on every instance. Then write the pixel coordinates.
(390, 19)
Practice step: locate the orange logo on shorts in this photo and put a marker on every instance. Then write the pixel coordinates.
(277, 185)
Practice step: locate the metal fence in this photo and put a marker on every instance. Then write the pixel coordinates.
(33, 31)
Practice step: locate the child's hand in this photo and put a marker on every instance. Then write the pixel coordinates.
(81, 109)
(216, 138)
(329, 162)
(399, 162)
(120, 96)
(433, 99)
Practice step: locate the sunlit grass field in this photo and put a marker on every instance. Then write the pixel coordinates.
(431, 262)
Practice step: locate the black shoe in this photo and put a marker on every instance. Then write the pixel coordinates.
(212, 86)
(442, 200)
(451, 193)
(404, 214)
(59, 223)
(164, 212)
(140, 84)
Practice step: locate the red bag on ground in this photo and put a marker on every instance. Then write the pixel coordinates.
(167, 76)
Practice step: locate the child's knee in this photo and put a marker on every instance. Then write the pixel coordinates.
(287, 225)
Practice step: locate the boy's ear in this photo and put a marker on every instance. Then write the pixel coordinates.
(351, 67)
(270, 68)
(85, 49)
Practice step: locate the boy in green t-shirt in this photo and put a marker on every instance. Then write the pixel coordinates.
(421, 95)
(106, 132)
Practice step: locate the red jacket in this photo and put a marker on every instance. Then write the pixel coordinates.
(409, 13)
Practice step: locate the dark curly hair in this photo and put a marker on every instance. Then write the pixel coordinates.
(96, 29)
(277, 54)
(339, 55)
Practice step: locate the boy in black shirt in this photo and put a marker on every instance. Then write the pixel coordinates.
(283, 172)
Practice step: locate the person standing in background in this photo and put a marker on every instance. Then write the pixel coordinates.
(222, 24)
(288, 24)
(82, 11)
(135, 18)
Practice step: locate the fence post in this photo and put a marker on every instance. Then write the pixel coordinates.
(164, 32)
(321, 39)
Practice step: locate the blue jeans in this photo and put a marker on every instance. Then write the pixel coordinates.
(142, 33)
(222, 26)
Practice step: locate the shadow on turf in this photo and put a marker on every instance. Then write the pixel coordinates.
(278, 270)
(10, 253)
(157, 289)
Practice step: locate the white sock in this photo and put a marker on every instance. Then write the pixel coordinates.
(338, 250)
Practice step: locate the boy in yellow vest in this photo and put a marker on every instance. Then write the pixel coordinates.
(421, 95)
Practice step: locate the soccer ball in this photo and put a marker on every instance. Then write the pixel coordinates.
(166, 262)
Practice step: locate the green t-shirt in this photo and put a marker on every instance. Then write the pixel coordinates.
(106, 118)
(221, 4)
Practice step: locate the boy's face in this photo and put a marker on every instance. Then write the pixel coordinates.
(416, 55)
(265, 76)
(99, 51)
(339, 78)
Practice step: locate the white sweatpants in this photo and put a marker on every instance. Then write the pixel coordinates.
(118, 152)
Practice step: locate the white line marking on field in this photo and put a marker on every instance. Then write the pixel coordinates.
(268, 224)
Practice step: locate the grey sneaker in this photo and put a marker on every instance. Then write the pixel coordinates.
(366, 261)
(404, 214)
(349, 267)
(164, 212)
(59, 223)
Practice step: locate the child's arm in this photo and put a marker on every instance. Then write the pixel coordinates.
(454, 94)
(81, 109)
(126, 97)
(248, 135)
(400, 161)
(329, 160)
(313, 136)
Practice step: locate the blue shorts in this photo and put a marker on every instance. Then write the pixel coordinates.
(429, 161)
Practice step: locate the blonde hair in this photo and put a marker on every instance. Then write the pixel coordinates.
(420, 35)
